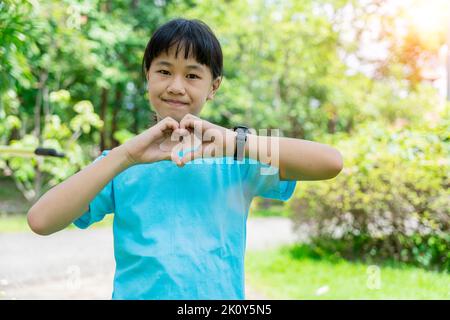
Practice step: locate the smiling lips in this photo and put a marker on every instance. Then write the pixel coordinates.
(175, 103)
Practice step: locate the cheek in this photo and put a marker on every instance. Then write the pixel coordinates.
(154, 88)
(152, 96)
(200, 92)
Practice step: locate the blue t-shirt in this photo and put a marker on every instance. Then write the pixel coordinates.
(180, 233)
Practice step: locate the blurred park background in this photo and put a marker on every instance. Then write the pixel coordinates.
(369, 77)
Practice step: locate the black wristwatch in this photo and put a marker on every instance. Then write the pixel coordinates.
(241, 138)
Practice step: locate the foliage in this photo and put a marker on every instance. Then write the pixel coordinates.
(69, 72)
(298, 65)
(59, 136)
(391, 201)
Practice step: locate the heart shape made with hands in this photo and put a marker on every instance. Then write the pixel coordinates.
(182, 139)
(196, 138)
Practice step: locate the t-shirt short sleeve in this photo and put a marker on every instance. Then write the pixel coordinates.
(265, 182)
(102, 204)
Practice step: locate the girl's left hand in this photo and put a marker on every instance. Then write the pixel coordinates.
(206, 139)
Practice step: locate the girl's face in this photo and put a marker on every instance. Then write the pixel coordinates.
(178, 86)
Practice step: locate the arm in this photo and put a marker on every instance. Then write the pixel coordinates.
(297, 159)
(58, 208)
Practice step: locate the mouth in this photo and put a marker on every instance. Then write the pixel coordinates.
(174, 103)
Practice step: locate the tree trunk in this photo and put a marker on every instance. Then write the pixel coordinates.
(332, 124)
(37, 105)
(136, 119)
(37, 131)
(117, 105)
(103, 109)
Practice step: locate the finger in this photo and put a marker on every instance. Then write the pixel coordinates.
(180, 134)
(174, 154)
(187, 117)
(191, 123)
(165, 155)
(166, 132)
(209, 150)
(206, 150)
(168, 124)
(191, 141)
(191, 155)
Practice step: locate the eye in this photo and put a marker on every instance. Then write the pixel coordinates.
(194, 76)
(163, 72)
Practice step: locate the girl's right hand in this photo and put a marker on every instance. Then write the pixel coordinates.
(160, 142)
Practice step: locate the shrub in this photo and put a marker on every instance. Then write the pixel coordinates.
(390, 201)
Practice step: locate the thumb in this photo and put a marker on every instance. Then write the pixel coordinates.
(174, 154)
(195, 153)
(167, 125)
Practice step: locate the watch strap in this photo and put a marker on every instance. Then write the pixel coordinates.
(241, 139)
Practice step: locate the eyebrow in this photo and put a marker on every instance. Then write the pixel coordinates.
(191, 66)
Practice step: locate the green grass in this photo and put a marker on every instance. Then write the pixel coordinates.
(11, 199)
(269, 212)
(272, 211)
(278, 275)
(18, 223)
(8, 189)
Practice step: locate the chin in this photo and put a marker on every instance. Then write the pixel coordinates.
(178, 116)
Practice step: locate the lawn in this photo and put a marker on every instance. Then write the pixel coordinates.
(278, 275)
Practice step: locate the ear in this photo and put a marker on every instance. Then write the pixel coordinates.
(215, 87)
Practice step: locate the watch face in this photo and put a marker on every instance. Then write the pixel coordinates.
(240, 127)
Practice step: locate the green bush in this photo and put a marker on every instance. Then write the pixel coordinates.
(390, 201)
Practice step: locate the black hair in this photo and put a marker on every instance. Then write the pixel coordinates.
(192, 35)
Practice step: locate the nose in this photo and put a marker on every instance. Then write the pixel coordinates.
(176, 86)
